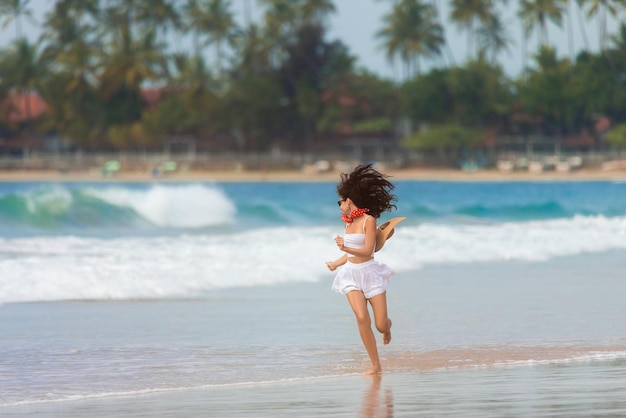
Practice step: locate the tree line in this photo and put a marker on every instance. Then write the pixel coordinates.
(280, 82)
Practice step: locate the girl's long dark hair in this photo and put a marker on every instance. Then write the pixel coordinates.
(368, 188)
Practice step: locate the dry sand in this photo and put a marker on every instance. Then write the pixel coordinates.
(442, 174)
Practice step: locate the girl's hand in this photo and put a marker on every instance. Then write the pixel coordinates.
(331, 266)
(339, 242)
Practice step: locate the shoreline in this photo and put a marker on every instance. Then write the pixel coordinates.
(425, 174)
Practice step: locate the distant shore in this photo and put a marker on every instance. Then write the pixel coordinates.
(442, 174)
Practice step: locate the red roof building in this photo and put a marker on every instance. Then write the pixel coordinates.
(20, 107)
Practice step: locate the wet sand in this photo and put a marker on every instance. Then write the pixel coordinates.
(538, 391)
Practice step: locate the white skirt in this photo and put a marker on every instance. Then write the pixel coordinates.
(370, 277)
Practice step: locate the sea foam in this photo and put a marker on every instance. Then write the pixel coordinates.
(57, 268)
(185, 206)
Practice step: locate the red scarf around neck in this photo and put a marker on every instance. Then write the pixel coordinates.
(353, 215)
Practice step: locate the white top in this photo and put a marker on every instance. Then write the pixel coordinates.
(355, 240)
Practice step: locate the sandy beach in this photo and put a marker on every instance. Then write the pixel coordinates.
(441, 174)
(495, 345)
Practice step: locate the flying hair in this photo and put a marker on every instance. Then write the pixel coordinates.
(368, 188)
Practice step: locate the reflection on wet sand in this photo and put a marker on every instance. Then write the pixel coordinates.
(488, 356)
(496, 356)
(375, 403)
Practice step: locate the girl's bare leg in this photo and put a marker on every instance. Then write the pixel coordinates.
(358, 303)
(382, 321)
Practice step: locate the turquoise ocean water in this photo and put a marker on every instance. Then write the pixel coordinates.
(115, 290)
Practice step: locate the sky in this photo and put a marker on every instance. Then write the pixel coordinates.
(356, 22)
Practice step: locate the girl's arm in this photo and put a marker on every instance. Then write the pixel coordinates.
(332, 265)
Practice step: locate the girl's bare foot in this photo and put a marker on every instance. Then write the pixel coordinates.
(387, 335)
(373, 371)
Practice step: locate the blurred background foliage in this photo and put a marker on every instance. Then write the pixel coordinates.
(113, 75)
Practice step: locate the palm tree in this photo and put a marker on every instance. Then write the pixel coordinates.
(581, 22)
(192, 74)
(619, 39)
(602, 8)
(130, 59)
(76, 9)
(22, 70)
(15, 10)
(570, 28)
(493, 37)
(131, 62)
(536, 13)
(448, 50)
(71, 55)
(213, 19)
(547, 92)
(411, 31)
(71, 44)
(279, 25)
(467, 13)
(195, 84)
(252, 53)
(285, 15)
(279, 16)
(315, 11)
(161, 14)
(283, 19)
